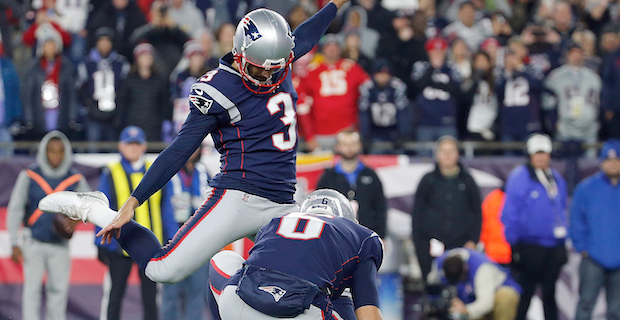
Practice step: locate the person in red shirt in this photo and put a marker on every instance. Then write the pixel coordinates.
(328, 96)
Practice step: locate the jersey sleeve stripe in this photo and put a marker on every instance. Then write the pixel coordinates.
(222, 100)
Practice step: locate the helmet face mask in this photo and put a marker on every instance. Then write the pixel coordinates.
(328, 201)
(264, 40)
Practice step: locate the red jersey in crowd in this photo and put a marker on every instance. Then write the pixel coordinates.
(328, 97)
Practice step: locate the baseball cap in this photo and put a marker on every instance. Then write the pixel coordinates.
(132, 134)
(539, 142)
(436, 44)
(610, 150)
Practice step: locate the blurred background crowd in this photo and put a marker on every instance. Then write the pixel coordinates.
(398, 71)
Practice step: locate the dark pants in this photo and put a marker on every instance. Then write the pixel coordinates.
(533, 265)
(422, 251)
(120, 267)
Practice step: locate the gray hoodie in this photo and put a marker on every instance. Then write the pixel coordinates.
(19, 196)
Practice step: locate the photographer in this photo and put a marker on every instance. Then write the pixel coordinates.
(484, 288)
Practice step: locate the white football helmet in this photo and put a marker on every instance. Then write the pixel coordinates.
(263, 39)
(328, 201)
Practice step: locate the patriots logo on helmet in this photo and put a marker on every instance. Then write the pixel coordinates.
(276, 292)
(251, 31)
(201, 103)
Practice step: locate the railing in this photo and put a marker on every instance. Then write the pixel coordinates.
(469, 148)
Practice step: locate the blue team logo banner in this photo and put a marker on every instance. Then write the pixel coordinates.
(251, 31)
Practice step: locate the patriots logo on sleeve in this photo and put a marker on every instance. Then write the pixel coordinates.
(201, 103)
(276, 292)
(251, 31)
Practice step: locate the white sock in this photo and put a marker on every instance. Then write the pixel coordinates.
(100, 215)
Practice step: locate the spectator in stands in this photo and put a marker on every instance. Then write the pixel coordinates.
(502, 31)
(587, 40)
(10, 101)
(467, 28)
(329, 95)
(574, 90)
(182, 83)
(49, 91)
(356, 21)
(492, 236)
(297, 16)
(597, 14)
(609, 40)
(544, 47)
(446, 206)
(359, 182)
(100, 79)
(535, 225)
(484, 290)
(379, 18)
(185, 14)
(44, 249)
(145, 99)
(164, 35)
(181, 197)
(383, 107)
(224, 37)
(122, 16)
(484, 107)
(523, 11)
(352, 50)
(44, 19)
(427, 16)
(518, 94)
(117, 181)
(460, 57)
(71, 16)
(610, 95)
(435, 90)
(563, 22)
(594, 230)
(403, 47)
(495, 51)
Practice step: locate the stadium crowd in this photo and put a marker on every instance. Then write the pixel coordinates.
(398, 71)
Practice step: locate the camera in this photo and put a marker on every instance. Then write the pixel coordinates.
(435, 304)
(163, 10)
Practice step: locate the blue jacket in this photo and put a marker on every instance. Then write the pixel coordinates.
(529, 215)
(13, 103)
(474, 259)
(595, 220)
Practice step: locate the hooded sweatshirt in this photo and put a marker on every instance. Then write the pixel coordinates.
(28, 191)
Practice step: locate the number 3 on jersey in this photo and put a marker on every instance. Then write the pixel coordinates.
(273, 105)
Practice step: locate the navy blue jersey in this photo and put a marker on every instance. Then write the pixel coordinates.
(436, 94)
(322, 249)
(255, 134)
(382, 110)
(519, 97)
